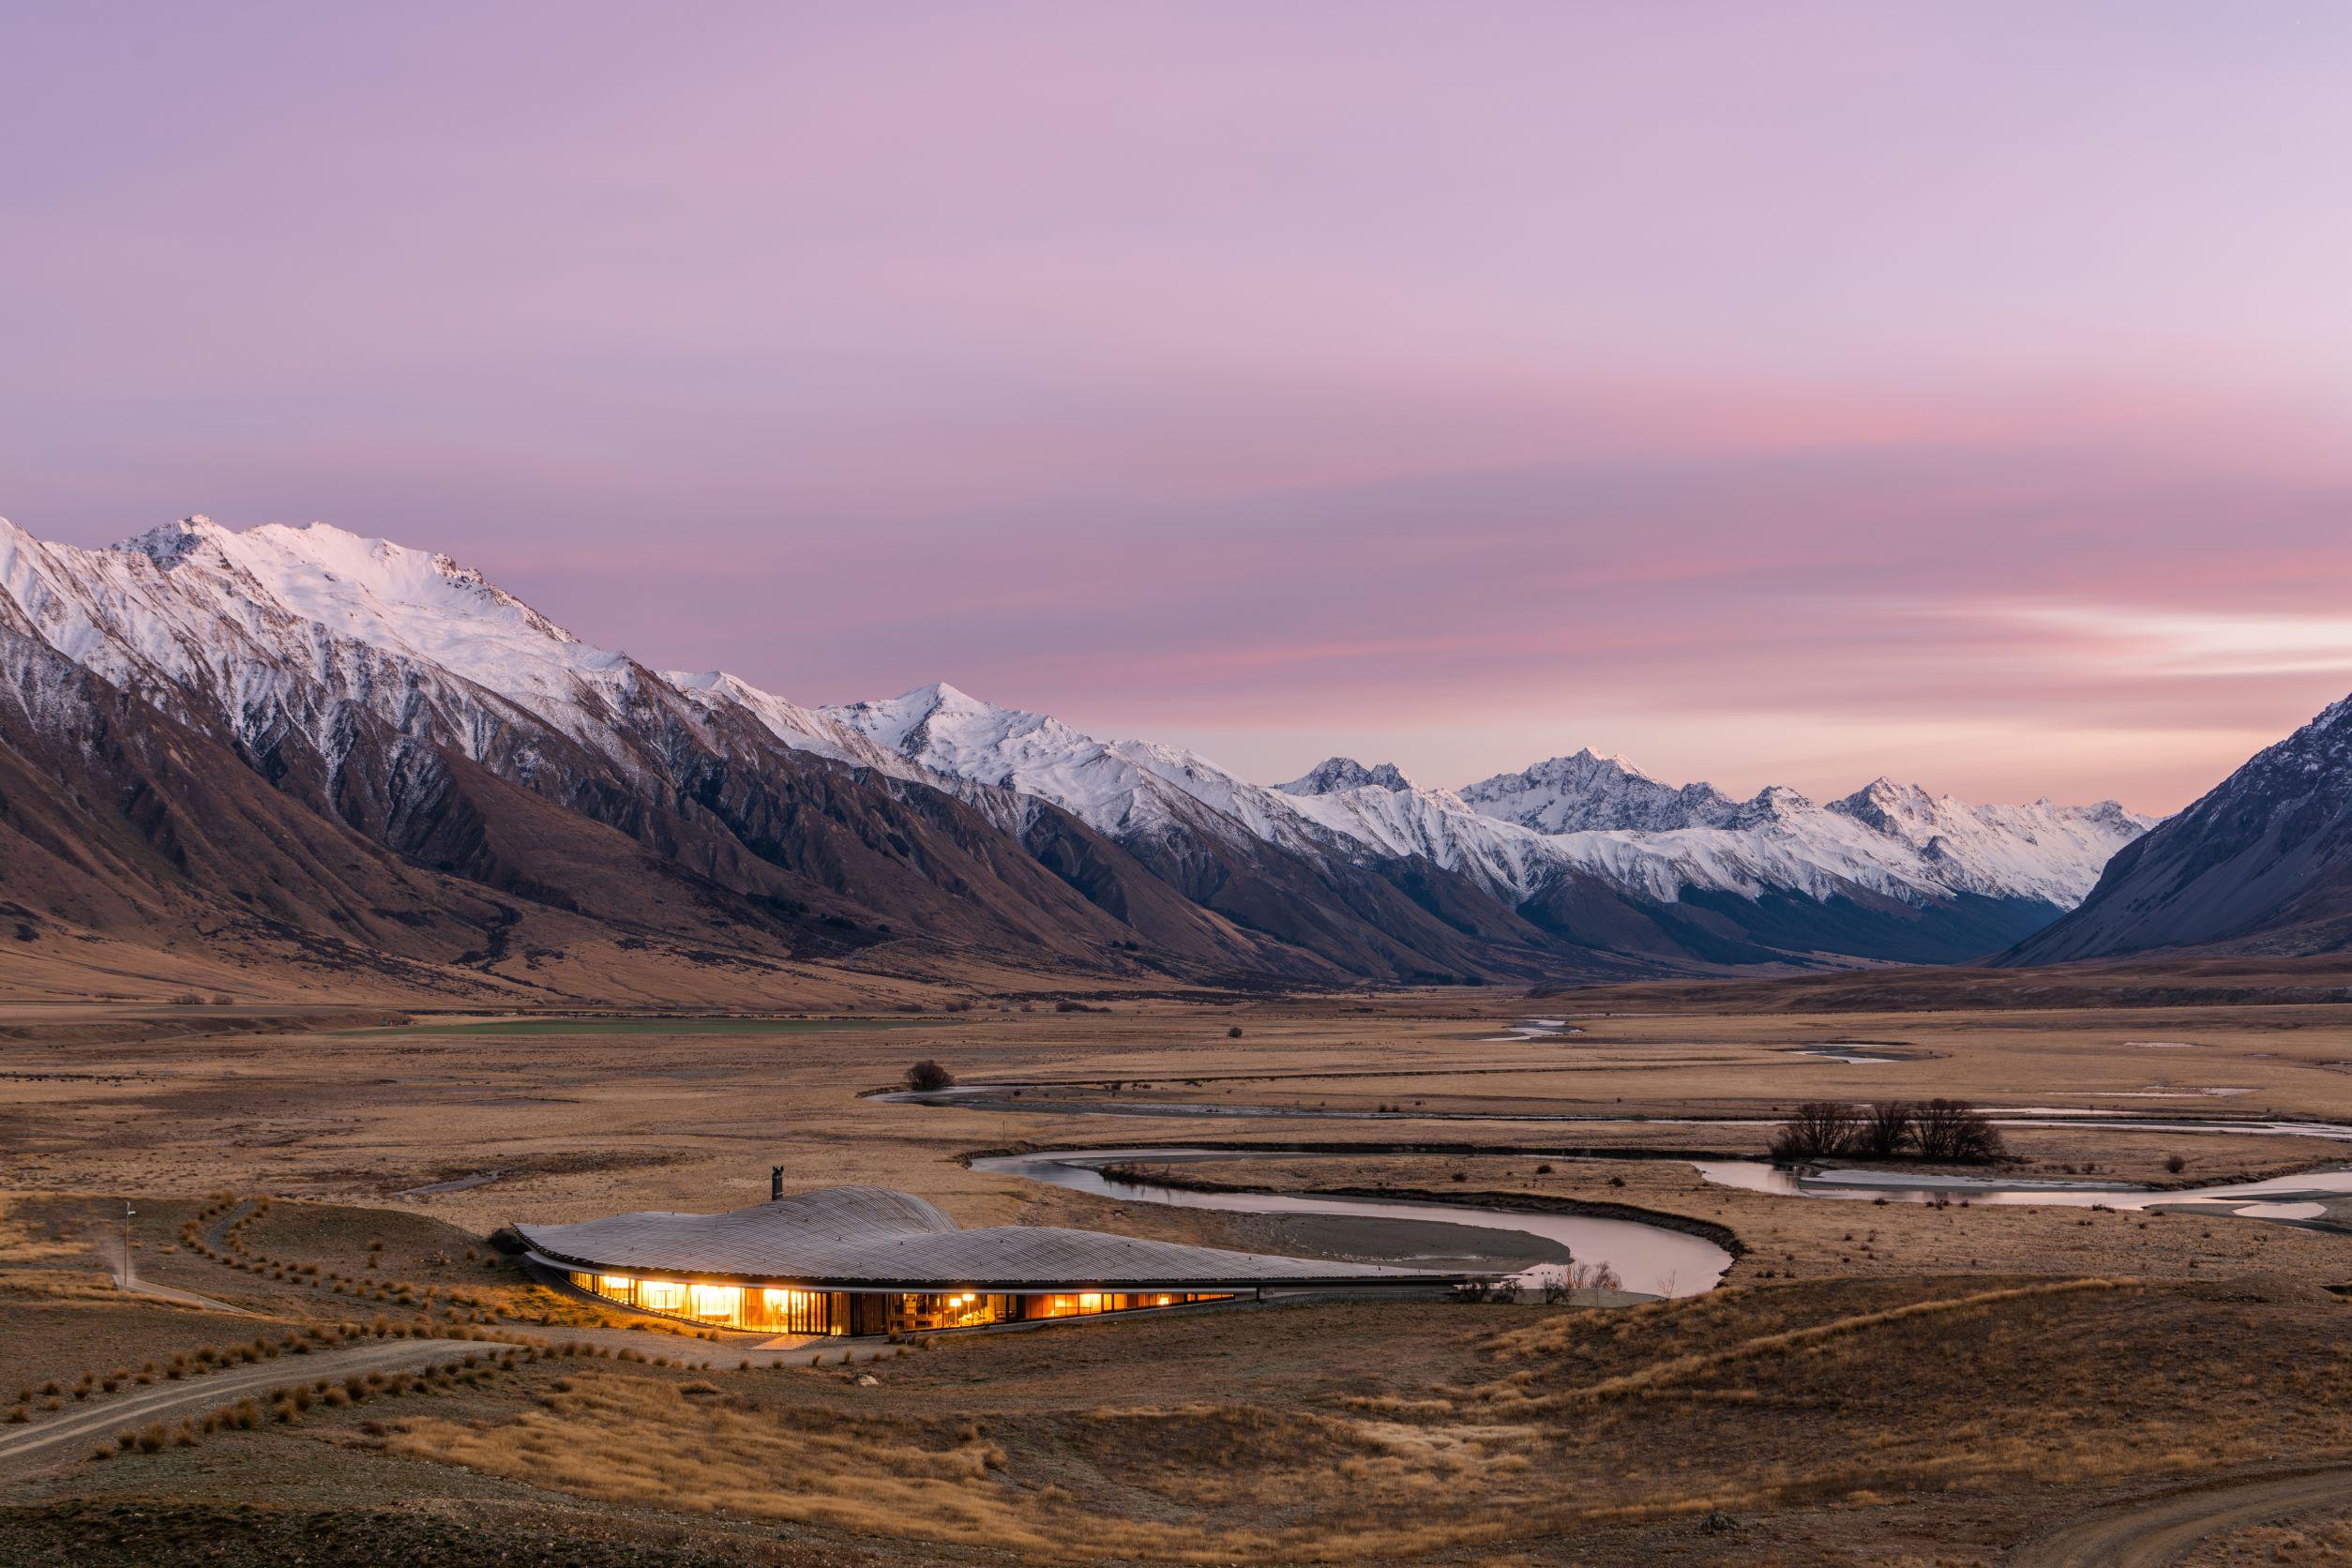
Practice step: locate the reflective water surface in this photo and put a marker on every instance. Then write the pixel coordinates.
(1649, 1257)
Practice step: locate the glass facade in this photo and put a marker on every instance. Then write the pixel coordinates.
(789, 1309)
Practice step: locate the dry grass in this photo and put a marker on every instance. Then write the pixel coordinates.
(26, 1241)
(42, 1262)
(1257, 1484)
(640, 1441)
(1656, 1377)
(361, 1116)
(1851, 1395)
(1910, 1366)
(2311, 1541)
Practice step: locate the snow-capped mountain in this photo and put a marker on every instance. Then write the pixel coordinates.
(1126, 788)
(803, 729)
(1345, 773)
(286, 636)
(1891, 839)
(2261, 864)
(406, 701)
(1647, 838)
(2041, 851)
(403, 699)
(1633, 835)
(1572, 794)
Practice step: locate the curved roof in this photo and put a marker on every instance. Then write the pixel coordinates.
(876, 1237)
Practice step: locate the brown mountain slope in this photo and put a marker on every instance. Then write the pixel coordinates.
(2261, 865)
(137, 852)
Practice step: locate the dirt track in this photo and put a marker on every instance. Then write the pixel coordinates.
(105, 1416)
(2159, 1530)
(125, 1269)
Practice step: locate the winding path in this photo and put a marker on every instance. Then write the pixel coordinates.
(2161, 1529)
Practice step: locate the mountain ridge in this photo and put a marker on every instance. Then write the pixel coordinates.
(2260, 864)
(405, 698)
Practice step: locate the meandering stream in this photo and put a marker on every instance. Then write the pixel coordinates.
(2301, 1197)
(1650, 1258)
(1654, 1258)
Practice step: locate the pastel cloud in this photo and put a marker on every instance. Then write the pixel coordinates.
(1797, 393)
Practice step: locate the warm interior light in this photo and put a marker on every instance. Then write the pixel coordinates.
(716, 1302)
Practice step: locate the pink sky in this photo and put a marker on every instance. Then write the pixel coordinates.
(1788, 393)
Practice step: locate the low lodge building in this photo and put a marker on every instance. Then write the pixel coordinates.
(869, 1261)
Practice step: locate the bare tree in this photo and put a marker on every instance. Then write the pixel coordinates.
(926, 1077)
(1817, 1130)
(1885, 1131)
(1956, 1133)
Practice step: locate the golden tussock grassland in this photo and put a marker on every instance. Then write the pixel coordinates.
(1837, 1395)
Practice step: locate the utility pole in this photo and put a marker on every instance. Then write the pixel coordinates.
(128, 1211)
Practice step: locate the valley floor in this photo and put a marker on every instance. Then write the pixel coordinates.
(1872, 1383)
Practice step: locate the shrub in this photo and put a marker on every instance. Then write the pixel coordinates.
(1234, 1032)
(929, 1077)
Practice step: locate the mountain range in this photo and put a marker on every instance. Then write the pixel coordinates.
(339, 757)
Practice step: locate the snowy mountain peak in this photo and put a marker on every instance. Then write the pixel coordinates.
(1883, 802)
(172, 543)
(332, 576)
(952, 730)
(1588, 759)
(1587, 792)
(1119, 787)
(1774, 803)
(803, 729)
(1346, 773)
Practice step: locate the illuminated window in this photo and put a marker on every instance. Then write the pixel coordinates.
(780, 1309)
(715, 1304)
(661, 1295)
